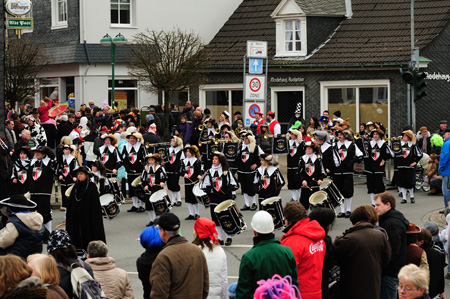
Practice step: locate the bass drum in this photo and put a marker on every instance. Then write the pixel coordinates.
(230, 217)
(200, 195)
(161, 202)
(110, 208)
(274, 207)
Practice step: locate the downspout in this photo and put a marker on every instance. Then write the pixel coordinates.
(87, 69)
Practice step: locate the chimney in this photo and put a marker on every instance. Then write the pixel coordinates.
(348, 9)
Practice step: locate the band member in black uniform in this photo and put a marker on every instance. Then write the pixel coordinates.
(296, 151)
(405, 165)
(231, 153)
(66, 167)
(19, 175)
(109, 155)
(219, 183)
(133, 157)
(173, 169)
(349, 153)
(379, 153)
(268, 179)
(192, 171)
(153, 179)
(247, 163)
(208, 134)
(311, 173)
(98, 177)
(329, 155)
(41, 172)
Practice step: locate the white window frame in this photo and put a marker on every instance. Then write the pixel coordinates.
(280, 25)
(121, 25)
(274, 96)
(56, 23)
(217, 87)
(325, 85)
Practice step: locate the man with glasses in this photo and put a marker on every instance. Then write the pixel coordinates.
(180, 270)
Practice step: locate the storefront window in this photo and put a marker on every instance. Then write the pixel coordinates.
(373, 104)
(344, 100)
(125, 93)
(217, 102)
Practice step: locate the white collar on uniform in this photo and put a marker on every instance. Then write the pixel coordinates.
(192, 160)
(68, 158)
(110, 148)
(244, 146)
(325, 146)
(45, 161)
(306, 158)
(174, 149)
(291, 142)
(136, 147)
(346, 144)
(379, 143)
(270, 170)
(213, 169)
(409, 143)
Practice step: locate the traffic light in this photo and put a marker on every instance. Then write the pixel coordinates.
(419, 85)
(408, 76)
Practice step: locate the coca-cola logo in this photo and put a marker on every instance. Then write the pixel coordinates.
(316, 247)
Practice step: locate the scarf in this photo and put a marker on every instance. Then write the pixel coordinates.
(205, 228)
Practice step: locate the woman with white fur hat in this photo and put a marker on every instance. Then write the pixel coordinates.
(173, 169)
(405, 163)
(247, 162)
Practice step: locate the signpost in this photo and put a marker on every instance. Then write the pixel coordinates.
(18, 8)
(255, 82)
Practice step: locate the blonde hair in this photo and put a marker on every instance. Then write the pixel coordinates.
(415, 275)
(45, 267)
(13, 270)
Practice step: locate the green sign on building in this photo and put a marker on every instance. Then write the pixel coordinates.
(19, 23)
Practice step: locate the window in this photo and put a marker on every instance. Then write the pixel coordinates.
(218, 98)
(361, 101)
(121, 12)
(125, 93)
(59, 14)
(291, 37)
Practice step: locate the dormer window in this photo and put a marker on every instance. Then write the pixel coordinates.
(292, 36)
(290, 21)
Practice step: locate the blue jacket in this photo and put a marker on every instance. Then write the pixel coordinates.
(444, 161)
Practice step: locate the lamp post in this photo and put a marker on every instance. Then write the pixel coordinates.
(107, 40)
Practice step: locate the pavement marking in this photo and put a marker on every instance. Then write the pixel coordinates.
(133, 273)
(239, 246)
(231, 277)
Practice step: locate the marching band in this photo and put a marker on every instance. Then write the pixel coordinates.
(320, 168)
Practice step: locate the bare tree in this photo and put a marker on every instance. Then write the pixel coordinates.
(168, 61)
(24, 60)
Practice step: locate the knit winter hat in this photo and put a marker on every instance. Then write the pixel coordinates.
(58, 239)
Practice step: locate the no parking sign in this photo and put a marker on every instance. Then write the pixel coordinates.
(250, 110)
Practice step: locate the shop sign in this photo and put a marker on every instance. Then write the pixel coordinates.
(18, 7)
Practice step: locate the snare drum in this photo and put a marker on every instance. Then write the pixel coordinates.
(110, 208)
(230, 217)
(319, 199)
(139, 190)
(334, 195)
(160, 201)
(274, 207)
(200, 195)
(116, 189)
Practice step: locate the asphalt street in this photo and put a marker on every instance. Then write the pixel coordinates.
(122, 232)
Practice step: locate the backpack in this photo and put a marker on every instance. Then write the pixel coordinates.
(83, 285)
